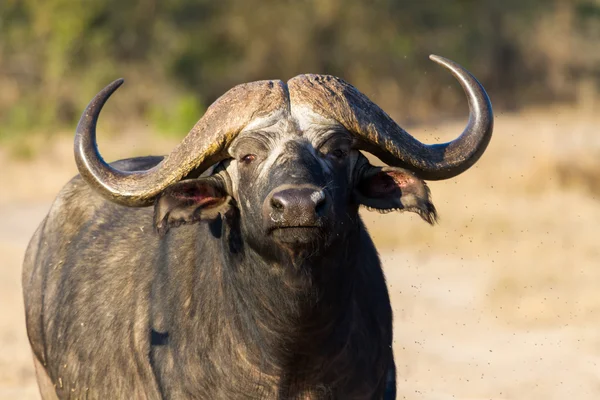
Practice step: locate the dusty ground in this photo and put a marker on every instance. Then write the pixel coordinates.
(500, 300)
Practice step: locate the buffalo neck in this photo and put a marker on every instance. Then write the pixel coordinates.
(287, 309)
(255, 323)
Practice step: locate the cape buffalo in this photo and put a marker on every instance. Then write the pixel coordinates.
(236, 267)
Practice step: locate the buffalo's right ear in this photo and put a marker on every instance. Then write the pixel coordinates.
(190, 201)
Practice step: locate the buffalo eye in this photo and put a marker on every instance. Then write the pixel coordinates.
(248, 158)
(338, 153)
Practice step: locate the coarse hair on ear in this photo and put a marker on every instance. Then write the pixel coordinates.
(387, 189)
(190, 201)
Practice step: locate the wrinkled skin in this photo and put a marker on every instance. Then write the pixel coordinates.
(275, 154)
(228, 300)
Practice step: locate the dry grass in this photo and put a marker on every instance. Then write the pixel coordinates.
(529, 210)
(499, 300)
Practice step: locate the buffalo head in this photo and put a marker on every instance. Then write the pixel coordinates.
(288, 161)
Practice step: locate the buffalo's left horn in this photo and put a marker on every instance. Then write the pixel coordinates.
(378, 134)
(205, 144)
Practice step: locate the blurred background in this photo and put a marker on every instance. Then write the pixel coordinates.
(500, 300)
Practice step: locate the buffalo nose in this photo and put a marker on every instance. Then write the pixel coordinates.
(297, 206)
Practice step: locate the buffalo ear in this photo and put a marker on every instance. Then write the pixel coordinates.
(190, 201)
(395, 189)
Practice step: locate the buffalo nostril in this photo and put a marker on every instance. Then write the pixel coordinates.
(318, 197)
(277, 203)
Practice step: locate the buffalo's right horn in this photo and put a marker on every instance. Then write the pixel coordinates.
(205, 144)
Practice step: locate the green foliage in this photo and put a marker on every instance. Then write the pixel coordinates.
(180, 55)
(176, 119)
(588, 9)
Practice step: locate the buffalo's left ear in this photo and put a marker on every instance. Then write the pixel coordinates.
(389, 189)
(190, 201)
